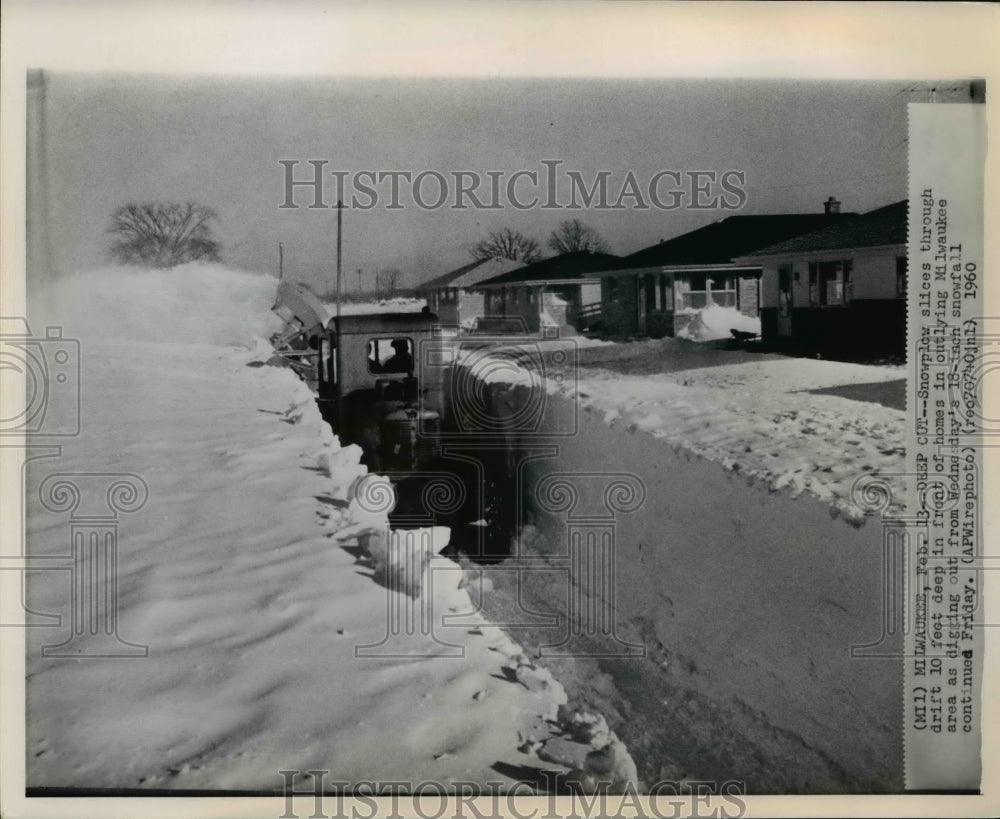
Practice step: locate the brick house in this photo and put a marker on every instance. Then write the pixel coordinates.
(657, 291)
(451, 296)
(561, 291)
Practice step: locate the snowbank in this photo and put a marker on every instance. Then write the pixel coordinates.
(584, 342)
(194, 303)
(757, 418)
(398, 304)
(744, 591)
(271, 645)
(716, 322)
(552, 301)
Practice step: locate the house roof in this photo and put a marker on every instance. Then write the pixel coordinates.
(470, 274)
(883, 226)
(567, 266)
(721, 241)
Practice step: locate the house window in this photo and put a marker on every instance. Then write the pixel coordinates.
(666, 296)
(612, 288)
(835, 287)
(902, 267)
(722, 290)
(531, 295)
(699, 290)
(515, 295)
(650, 283)
(693, 294)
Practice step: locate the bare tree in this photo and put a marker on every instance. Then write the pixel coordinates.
(163, 234)
(508, 244)
(389, 279)
(573, 235)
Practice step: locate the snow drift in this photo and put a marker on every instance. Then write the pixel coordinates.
(195, 303)
(716, 322)
(271, 643)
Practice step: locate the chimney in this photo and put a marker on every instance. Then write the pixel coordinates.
(831, 205)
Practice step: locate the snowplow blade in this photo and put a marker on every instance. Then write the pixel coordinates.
(300, 309)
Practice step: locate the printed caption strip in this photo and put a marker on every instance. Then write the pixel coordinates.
(949, 345)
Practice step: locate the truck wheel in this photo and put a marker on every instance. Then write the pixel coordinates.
(369, 441)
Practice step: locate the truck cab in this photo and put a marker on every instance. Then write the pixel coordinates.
(374, 393)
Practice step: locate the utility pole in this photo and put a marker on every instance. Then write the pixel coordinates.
(359, 282)
(281, 261)
(340, 215)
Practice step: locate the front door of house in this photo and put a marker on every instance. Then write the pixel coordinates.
(785, 301)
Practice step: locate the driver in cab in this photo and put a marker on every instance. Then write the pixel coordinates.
(401, 361)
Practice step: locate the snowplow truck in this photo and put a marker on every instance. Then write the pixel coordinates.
(370, 390)
(365, 371)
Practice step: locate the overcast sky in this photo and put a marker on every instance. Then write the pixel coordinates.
(115, 139)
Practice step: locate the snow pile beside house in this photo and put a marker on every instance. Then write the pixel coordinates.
(553, 301)
(270, 645)
(716, 322)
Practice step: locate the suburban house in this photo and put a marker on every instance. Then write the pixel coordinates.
(840, 288)
(657, 291)
(450, 297)
(559, 292)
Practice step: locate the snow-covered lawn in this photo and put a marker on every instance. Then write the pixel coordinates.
(243, 575)
(754, 413)
(758, 417)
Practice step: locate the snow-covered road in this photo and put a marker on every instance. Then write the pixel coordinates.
(750, 575)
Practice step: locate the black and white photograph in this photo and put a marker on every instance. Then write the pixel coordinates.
(435, 439)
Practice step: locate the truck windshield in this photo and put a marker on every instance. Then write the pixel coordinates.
(390, 355)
